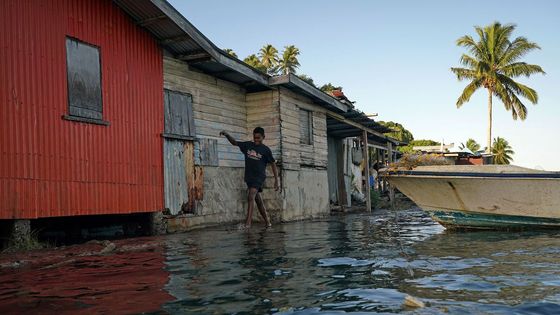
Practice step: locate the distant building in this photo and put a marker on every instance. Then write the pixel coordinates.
(455, 155)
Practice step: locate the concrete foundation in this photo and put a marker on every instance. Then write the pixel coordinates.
(20, 232)
(158, 225)
(304, 195)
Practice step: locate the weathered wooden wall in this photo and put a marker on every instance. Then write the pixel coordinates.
(295, 154)
(263, 111)
(218, 105)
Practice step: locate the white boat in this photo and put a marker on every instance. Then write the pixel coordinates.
(483, 196)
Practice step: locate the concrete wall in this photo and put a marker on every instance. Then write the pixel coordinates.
(306, 194)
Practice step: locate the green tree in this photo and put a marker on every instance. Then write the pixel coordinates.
(255, 62)
(289, 61)
(502, 151)
(329, 87)
(491, 63)
(471, 144)
(307, 79)
(230, 52)
(399, 132)
(268, 55)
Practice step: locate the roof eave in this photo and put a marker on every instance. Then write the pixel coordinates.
(295, 83)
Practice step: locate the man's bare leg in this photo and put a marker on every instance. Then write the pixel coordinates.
(251, 193)
(262, 209)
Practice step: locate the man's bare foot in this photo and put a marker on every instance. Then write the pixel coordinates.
(242, 226)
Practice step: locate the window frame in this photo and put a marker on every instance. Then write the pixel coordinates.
(309, 114)
(70, 115)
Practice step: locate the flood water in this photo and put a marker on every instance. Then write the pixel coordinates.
(354, 264)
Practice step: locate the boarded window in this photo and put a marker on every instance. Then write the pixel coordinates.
(306, 126)
(179, 118)
(83, 68)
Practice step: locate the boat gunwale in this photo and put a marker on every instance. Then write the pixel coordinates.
(406, 173)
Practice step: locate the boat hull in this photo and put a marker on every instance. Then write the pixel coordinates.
(472, 220)
(484, 200)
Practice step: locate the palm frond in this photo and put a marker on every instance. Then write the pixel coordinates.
(472, 46)
(464, 74)
(517, 69)
(502, 38)
(518, 110)
(519, 88)
(501, 92)
(469, 61)
(468, 92)
(518, 48)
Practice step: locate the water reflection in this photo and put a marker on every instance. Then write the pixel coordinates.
(350, 264)
(78, 279)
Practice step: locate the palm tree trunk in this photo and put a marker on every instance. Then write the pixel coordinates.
(489, 140)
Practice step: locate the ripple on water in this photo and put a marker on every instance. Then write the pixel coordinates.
(344, 261)
(456, 282)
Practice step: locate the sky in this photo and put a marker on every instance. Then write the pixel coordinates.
(393, 57)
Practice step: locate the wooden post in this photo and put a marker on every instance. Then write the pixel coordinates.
(391, 189)
(366, 171)
(340, 173)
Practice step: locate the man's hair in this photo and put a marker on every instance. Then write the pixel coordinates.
(259, 130)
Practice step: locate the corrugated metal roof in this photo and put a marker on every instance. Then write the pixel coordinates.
(178, 36)
(294, 83)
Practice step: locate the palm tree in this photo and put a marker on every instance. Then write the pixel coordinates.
(230, 52)
(493, 62)
(329, 87)
(289, 62)
(398, 131)
(269, 58)
(502, 151)
(255, 62)
(471, 144)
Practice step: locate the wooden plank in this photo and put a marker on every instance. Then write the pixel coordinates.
(208, 152)
(366, 170)
(342, 195)
(190, 174)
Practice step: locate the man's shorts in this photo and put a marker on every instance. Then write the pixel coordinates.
(255, 185)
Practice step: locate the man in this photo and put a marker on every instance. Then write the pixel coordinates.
(257, 156)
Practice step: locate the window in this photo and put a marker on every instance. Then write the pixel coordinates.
(306, 126)
(179, 118)
(83, 68)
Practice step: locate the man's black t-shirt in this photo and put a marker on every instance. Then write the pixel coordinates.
(256, 159)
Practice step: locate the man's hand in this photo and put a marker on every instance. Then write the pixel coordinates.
(224, 133)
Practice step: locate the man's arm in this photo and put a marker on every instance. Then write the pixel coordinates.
(275, 172)
(230, 138)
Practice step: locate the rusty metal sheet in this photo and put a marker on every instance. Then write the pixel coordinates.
(175, 175)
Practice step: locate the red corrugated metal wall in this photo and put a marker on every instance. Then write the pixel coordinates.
(53, 167)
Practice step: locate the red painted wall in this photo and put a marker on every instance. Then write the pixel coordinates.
(54, 167)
